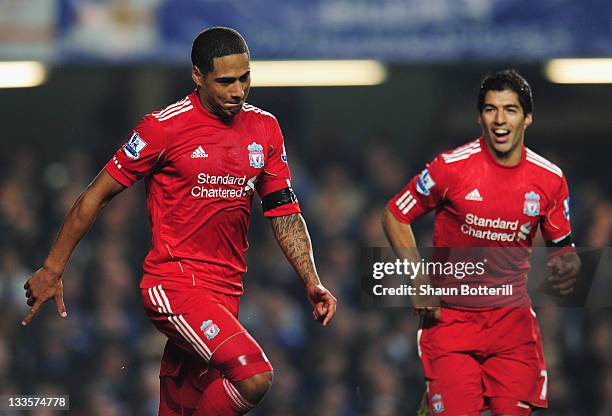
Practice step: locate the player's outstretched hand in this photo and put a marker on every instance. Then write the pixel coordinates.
(323, 302)
(40, 287)
(565, 270)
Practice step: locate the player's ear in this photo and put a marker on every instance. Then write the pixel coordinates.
(197, 76)
(528, 120)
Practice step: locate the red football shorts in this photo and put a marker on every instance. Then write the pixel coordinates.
(486, 359)
(198, 322)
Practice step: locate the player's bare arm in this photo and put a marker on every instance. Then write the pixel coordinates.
(565, 268)
(402, 241)
(46, 282)
(293, 238)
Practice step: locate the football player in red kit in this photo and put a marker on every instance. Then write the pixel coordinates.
(492, 192)
(202, 158)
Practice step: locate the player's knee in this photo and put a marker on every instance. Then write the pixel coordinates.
(245, 365)
(254, 388)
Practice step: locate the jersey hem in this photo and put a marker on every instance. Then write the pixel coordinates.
(149, 280)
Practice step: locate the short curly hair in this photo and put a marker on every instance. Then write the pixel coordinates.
(216, 42)
(508, 79)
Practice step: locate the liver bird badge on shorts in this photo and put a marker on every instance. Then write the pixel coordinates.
(436, 403)
(531, 207)
(210, 329)
(256, 156)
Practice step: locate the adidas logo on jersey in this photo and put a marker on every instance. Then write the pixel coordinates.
(199, 153)
(473, 196)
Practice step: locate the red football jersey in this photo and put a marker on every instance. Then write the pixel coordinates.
(200, 175)
(481, 203)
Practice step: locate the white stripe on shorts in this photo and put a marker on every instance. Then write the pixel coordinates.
(185, 323)
(179, 322)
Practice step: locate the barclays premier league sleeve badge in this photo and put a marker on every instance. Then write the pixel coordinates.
(134, 146)
(425, 183)
(284, 154)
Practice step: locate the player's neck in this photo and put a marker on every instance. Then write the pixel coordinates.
(510, 158)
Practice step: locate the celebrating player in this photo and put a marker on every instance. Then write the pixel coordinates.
(492, 192)
(202, 158)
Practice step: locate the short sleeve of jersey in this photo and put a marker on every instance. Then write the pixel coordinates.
(556, 220)
(140, 154)
(423, 193)
(276, 174)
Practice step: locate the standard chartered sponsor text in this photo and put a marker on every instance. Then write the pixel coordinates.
(228, 186)
(201, 192)
(228, 179)
(472, 220)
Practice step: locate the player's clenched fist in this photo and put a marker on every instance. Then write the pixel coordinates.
(565, 270)
(323, 302)
(40, 287)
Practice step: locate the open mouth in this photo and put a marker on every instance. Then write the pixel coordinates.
(501, 135)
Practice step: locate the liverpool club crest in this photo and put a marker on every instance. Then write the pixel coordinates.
(531, 206)
(256, 156)
(210, 329)
(436, 403)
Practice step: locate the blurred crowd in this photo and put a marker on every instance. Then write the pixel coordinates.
(106, 354)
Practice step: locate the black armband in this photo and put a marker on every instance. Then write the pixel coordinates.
(278, 198)
(563, 242)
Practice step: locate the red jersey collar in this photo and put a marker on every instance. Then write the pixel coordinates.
(489, 156)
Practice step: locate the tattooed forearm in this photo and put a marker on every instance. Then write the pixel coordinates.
(292, 236)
